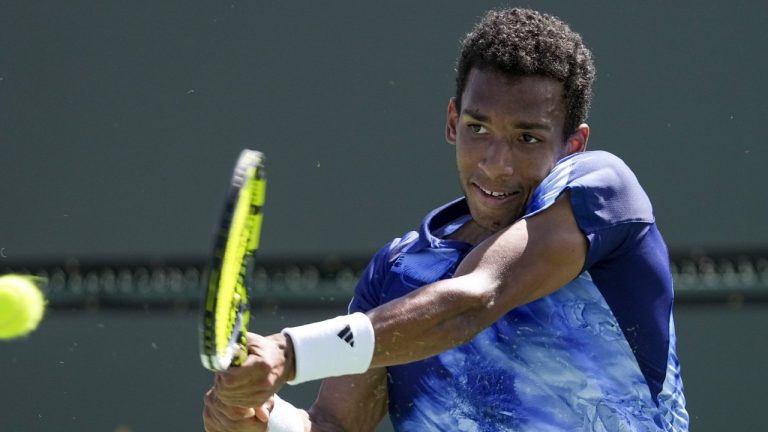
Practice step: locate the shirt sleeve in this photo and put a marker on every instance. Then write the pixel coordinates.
(610, 206)
(368, 292)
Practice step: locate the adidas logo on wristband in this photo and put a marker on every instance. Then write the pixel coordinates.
(346, 335)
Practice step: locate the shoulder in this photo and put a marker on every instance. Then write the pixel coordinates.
(597, 169)
(592, 169)
(604, 190)
(411, 259)
(372, 283)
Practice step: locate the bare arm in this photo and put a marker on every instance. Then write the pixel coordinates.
(350, 403)
(530, 259)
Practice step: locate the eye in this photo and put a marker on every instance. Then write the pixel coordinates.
(529, 139)
(477, 129)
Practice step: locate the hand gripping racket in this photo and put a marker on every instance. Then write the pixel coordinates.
(224, 320)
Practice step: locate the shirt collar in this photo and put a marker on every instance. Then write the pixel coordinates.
(433, 227)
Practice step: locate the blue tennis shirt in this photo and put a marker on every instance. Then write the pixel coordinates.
(596, 355)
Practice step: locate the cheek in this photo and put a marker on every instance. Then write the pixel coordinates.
(466, 156)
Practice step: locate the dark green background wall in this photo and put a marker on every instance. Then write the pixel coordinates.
(120, 120)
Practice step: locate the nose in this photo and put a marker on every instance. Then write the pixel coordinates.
(498, 160)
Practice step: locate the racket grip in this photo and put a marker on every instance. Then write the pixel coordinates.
(240, 356)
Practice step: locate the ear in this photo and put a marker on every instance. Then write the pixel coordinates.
(577, 142)
(452, 119)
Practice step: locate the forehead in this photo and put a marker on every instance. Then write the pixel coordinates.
(529, 97)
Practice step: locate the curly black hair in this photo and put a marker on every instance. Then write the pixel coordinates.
(520, 42)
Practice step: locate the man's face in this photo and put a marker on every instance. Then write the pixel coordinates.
(508, 136)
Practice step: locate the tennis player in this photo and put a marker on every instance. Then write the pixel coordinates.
(540, 301)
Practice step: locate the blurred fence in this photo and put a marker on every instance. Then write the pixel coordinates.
(732, 278)
(179, 284)
(698, 278)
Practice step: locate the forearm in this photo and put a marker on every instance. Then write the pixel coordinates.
(350, 403)
(435, 318)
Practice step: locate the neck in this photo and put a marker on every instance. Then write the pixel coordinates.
(471, 232)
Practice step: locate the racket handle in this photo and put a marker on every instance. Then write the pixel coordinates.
(241, 354)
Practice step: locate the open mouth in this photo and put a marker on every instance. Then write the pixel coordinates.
(499, 195)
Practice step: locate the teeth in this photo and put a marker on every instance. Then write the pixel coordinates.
(494, 194)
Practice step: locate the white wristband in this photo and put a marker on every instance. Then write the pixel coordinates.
(335, 347)
(284, 417)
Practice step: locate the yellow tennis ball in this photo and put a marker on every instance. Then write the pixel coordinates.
(21, 305)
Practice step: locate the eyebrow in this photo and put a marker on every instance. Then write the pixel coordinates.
(525, 125)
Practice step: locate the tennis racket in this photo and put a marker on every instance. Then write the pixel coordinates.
(224, 320)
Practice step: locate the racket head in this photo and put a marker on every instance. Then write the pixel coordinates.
(225, 307)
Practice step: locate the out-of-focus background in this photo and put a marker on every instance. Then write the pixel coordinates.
(120, 122)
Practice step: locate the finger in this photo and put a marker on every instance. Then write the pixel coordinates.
(261, 413)
(211, 421)
(253, 339)
(211, 417)
(248, 399)
(234, 389)
(242, 390)
(231, 411)
(232, 403)
(219, 417)
(253, 370)
(252, 424)
(236, 413)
